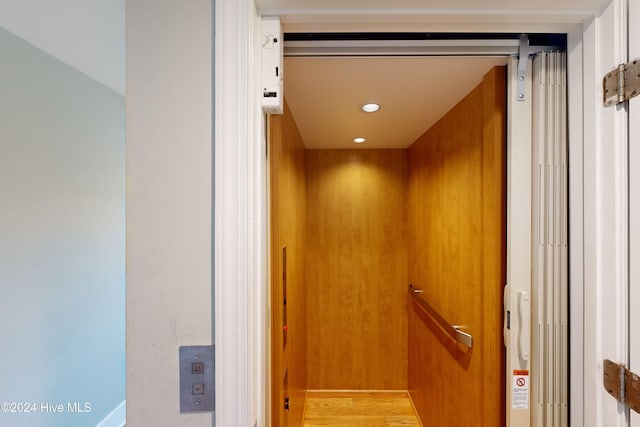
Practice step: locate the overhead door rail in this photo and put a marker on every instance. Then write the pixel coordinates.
(417, 44)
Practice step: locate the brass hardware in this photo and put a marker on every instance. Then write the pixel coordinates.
(632, 391)
(622, 83)
(622, 384)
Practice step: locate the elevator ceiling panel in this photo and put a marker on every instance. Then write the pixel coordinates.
(325, 96)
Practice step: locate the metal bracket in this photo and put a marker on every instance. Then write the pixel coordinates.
(621, 84)
(523, 61)
(622, 384)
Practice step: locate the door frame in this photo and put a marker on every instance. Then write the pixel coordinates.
(241, 233)
(634, 205)
(605, 220)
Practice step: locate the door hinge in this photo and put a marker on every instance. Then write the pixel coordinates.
(621, 84)
(622, 384)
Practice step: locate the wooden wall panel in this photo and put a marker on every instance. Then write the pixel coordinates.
(494, 254)
(456, 217)
(356, 269)
(288, 224)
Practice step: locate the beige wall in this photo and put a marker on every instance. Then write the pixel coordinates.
(169, 202)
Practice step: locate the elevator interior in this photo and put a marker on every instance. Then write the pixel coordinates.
(421, 201)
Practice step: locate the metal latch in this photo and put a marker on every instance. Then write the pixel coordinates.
(622, 384)
(287, 402)
(621, 84)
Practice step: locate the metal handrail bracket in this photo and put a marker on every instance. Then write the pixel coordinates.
(454, 331)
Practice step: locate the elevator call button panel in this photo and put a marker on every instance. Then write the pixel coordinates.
(197, 379)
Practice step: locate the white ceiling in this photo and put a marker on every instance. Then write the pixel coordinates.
(325, 95)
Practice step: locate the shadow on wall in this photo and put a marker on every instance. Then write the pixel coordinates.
(62, 242)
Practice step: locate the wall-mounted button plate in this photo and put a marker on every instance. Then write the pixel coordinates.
(197, 378)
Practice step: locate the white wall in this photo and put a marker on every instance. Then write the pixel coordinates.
(169, 201)
(62, 237)
(170, 167)
(87, 35)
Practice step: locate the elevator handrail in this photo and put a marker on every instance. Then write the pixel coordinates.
(453, 331)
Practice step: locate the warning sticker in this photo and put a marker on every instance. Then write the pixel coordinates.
(520, 390)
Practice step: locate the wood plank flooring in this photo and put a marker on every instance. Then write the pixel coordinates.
(359, 409)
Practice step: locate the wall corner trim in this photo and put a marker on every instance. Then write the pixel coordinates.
(115, 418)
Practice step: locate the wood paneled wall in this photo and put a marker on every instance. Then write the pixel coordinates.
(356, 269)
(456, 217)
(288, 225)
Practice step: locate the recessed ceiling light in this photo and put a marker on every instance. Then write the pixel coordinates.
(359, 140)
(370, 108)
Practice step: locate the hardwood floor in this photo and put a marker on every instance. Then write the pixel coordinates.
(359, 409)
